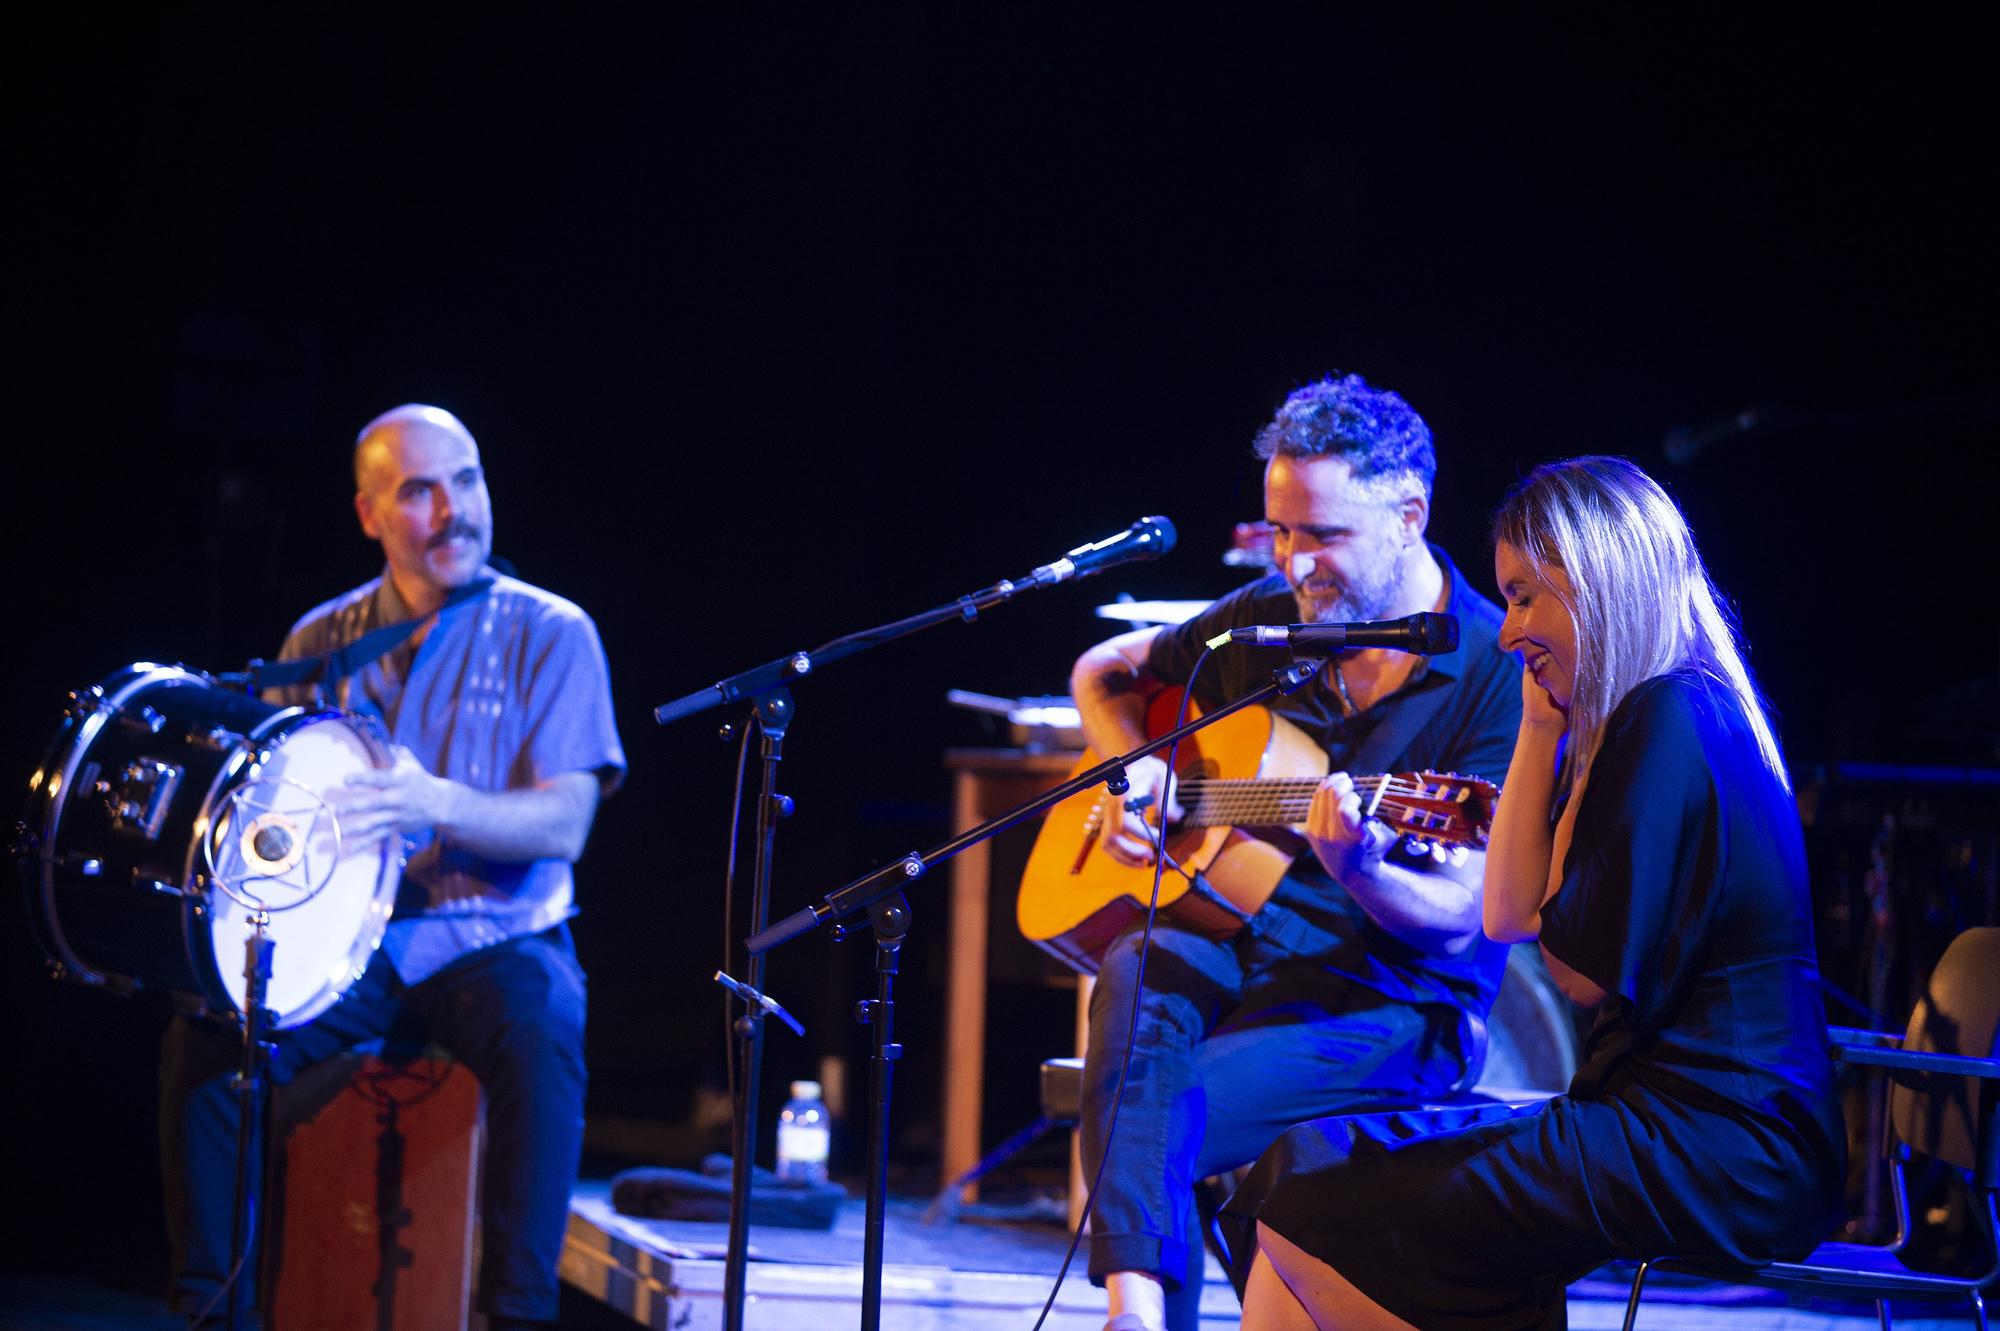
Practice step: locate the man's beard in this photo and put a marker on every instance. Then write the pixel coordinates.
(1367, 598)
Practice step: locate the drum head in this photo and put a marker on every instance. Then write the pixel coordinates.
(1531, 1035)
(275, 840)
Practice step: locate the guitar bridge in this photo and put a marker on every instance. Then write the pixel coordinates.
(1093, 827)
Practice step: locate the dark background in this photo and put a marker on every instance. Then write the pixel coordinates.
(774, 325)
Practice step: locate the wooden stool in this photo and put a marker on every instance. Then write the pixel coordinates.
(371, 1193)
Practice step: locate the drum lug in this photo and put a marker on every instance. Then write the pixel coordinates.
(138, 803)
(119, 985)
(122, 985)
(217, 739)
(144, 719)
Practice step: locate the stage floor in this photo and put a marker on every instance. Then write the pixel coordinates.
(975, 1274)
(980, 1274)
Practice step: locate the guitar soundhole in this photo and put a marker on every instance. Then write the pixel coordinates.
(1193, 812)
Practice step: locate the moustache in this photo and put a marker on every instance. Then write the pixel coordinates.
(453, 532)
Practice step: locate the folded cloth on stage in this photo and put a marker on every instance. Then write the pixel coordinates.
(683, 1194)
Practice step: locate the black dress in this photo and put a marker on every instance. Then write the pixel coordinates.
(1702, 1121)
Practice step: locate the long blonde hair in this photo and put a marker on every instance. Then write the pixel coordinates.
(1643, 604)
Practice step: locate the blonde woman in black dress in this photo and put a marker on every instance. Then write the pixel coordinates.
(1646, 836)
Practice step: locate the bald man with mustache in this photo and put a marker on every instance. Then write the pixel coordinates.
(498, 708)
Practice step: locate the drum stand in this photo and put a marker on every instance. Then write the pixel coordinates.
(257, 860)
(248, 1084)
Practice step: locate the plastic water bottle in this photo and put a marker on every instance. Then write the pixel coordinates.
(805, 1134)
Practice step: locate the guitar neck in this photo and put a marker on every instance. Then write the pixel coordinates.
(1261, 801)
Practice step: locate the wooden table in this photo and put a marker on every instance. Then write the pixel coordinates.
(985, 782)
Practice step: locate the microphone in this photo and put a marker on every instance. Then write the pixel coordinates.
(1426, 634)
(1148, 538)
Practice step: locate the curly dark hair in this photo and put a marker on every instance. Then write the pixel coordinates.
(1344, 416)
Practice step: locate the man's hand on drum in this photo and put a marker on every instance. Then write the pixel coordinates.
(399, 800)
(1130, 839)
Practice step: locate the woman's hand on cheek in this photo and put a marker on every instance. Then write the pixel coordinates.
(1539, 710)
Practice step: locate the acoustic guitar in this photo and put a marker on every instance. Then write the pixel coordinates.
(1245, 784)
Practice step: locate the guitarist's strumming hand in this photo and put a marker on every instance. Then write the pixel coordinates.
(1131, 842)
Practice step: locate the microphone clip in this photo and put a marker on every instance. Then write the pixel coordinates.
(757, 1000)
(1291, 678)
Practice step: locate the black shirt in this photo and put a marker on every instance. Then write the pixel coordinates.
(1459, 713)
(1685, 898)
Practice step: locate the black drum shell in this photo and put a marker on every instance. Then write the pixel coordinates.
(109, 903)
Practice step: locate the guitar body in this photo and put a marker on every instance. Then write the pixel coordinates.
(1075, 899)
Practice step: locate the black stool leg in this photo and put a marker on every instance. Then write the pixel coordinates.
(1638, 1284)
(944, 1206)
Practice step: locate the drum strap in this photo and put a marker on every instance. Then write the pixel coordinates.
(330, 667)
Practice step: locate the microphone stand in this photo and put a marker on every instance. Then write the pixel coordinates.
(764, 688)
(248, 1086)
(773, 711)
(880, 894)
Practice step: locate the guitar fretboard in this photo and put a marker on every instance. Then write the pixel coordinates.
(1283, 801)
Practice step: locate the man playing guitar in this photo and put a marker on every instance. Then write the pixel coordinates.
(1365, 981)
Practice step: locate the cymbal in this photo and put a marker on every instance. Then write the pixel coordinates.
(1152, 612)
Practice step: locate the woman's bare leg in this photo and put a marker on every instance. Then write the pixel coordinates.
(1316, 1289)
(1268, 1304)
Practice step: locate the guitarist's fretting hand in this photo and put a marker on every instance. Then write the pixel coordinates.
(1348, 842)
(1130, 842)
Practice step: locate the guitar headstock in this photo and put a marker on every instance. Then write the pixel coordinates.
(1441, 807)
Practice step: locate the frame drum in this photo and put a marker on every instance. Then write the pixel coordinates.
(169, 811)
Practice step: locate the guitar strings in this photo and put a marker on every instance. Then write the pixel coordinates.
(1295, 811)
(1240, 801)
(1213, 795)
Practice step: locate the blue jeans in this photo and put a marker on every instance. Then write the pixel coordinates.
(513, 1013)
(1236, 1041)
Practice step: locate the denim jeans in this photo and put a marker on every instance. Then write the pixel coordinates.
(1236, 1041)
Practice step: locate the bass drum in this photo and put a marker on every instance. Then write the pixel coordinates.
(1531, 1037)
(169, 811)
